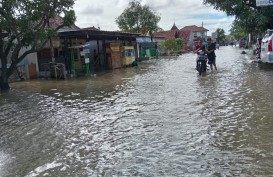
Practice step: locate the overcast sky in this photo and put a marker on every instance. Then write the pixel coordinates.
(103, 13)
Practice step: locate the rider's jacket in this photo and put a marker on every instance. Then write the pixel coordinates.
(208, 47)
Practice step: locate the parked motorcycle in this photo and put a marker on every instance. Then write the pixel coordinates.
(201, 62)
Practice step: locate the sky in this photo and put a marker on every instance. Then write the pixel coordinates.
(102, 13)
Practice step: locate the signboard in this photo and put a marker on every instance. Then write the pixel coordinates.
(86, 51)
(264, 2)
(82, 53)
(86, 60)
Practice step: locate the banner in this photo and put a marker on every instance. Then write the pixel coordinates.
(264, 2)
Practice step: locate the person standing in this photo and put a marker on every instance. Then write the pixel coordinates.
(96, 59)
(95, 55)
(210, 51)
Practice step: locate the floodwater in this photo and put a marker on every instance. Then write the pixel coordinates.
(159, 119)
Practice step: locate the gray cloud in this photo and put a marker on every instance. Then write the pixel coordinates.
(182, 12)
(91, 10)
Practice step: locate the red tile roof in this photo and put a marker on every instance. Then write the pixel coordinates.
(174, 27)
(194, 28)
(174, 34)
(185, 35)
(166, 34)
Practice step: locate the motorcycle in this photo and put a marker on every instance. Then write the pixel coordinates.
(201, 62)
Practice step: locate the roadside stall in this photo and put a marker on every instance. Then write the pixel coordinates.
(147, 49)
(113, 51)
(107, 44)
(128, 55)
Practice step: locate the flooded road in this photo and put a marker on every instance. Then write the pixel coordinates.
(159, 119)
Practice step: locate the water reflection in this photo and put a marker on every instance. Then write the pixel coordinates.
(160, 119)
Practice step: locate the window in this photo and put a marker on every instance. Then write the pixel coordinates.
(129, 53)
(195, 34)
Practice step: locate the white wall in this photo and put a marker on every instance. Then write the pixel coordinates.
(29, 59)
(23, 65)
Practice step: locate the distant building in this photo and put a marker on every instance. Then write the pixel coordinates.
(214, 35)
(190, 35)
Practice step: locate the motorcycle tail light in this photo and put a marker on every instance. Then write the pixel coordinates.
(270, 47)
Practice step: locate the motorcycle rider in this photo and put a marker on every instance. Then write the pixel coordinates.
(209, 49)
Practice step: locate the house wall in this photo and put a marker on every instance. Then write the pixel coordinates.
(158, 41)
(24, 64)
(194, 35)
(30, 59)
(191, 43)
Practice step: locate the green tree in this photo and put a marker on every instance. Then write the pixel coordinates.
(237, 31)
(172, 46)
(220, 35)
(139, 19)
(252, 19)
(25, 25)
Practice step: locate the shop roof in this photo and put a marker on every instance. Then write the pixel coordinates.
(143, 39)
(97, 34)
(79, 46)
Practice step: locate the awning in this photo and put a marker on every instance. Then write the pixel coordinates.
(148, 45)
(79, 46)
(143, 39)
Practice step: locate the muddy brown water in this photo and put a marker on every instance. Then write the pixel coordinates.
(158, 119)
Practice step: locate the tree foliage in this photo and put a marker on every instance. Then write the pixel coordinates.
(139, 19)
(237, 31)
(172, 45)
(26, 24)
(220, 35)
(251, 18)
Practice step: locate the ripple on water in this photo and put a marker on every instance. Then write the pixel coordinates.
(160, 119)
(5, 160)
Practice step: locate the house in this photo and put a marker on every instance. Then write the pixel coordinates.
(53, 50)
(190, 35)
(174, 32)
(33, 64)
(195, 35)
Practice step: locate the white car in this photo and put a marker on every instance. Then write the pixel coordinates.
(267, 47)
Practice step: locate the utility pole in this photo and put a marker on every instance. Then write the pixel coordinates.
(202, 31)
